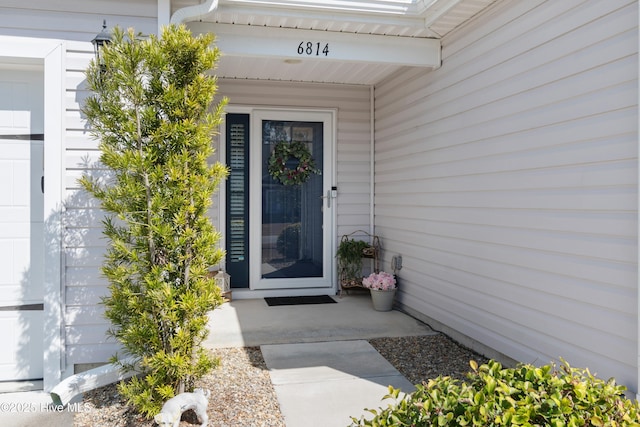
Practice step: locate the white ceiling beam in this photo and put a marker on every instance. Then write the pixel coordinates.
(308, 45)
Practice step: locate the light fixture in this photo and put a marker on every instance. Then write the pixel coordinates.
(223, 281)
(101, 39)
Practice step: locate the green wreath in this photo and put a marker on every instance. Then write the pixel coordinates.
(282, 152)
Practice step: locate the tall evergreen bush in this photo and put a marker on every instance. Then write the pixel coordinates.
(151, 111)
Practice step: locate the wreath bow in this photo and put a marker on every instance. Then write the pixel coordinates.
(281, 154)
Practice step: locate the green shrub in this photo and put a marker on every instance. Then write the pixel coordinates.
(349, 254)
(522, 396)
(152, 111)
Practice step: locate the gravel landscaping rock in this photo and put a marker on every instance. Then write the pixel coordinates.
(242, 394)
(422, 358)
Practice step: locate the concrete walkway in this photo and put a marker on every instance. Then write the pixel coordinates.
(324, 384)
(322, 368)
(246, 323)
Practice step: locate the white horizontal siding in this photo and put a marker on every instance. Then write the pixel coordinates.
(507, 179)
(83, 244)
(75, 20)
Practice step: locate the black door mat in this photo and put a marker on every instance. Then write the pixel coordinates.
(316, 299)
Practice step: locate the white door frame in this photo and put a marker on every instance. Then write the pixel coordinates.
(50, 53)
(329, 177)
(326, 282)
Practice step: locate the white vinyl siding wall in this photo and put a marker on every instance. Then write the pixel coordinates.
(84, 323)
(74, 19)
(507, 179)
(353, 145)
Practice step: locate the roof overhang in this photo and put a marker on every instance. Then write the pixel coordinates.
(387, 8)
(332, 41)
(393, 7)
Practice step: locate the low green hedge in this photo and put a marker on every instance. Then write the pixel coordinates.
(522, 396)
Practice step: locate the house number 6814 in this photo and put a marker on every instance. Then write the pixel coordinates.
(310, 48)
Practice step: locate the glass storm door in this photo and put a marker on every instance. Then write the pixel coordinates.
(290, 217)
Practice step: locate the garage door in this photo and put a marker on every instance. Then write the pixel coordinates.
(21, 223)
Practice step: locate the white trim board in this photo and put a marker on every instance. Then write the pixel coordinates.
(308, 45)
(50, 53)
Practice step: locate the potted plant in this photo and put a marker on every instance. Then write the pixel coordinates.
(383, 288)
(349, 254)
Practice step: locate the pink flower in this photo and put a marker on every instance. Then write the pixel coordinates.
(380, 281)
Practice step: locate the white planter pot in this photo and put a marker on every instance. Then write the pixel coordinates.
(382, 300)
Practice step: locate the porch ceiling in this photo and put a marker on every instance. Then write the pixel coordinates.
(406, 28)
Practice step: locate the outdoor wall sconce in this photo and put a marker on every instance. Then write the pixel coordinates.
(101, 39)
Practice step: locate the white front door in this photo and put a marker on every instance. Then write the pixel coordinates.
(291, 245)
(21, 223)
